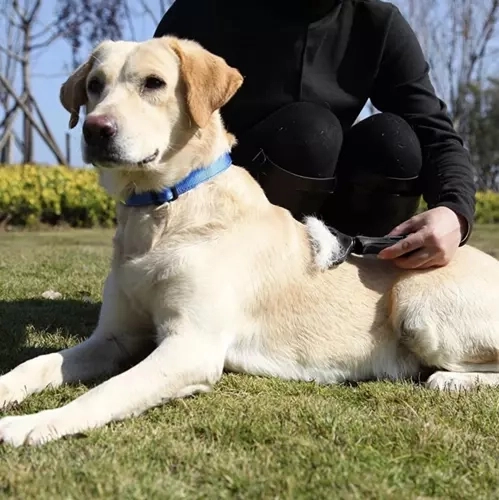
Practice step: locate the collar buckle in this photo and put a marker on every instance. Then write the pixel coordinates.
(175, 194)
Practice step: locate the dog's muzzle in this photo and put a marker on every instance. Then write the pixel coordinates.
(100, 133)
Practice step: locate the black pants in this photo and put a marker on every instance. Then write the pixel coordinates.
(361, 181)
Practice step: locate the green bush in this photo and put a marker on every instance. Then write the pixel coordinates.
(487, 208)
(33, 194)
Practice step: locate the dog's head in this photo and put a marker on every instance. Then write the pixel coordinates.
(144, 100)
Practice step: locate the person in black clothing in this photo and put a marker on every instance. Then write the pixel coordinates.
(309, 67)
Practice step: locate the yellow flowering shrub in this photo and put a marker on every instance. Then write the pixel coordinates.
(34, 194)
(487, 207)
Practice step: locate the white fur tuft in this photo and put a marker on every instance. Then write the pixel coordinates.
(325, 244)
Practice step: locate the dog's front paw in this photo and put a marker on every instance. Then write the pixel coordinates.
(9, 396)
(35, 429)
(453, 381)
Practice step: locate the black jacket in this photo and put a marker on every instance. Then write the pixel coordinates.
(338, 53)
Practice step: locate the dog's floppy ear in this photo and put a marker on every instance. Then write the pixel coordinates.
(210, 82)
(73, 93)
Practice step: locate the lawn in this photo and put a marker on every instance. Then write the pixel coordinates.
(251, 437)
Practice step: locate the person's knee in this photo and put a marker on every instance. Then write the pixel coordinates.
(383, 144)
(378, 177)
(302, 138)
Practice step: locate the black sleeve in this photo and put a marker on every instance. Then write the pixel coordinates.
(403, 87)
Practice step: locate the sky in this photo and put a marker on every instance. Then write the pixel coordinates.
(50, 68)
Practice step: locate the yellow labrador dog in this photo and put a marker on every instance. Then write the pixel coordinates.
(218, 278)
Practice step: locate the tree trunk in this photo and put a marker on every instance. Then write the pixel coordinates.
(26, 93)
(6, 153)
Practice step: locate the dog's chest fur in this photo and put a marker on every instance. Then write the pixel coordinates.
(164, 269)
(143, 258)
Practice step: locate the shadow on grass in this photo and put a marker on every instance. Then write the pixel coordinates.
(69, 319)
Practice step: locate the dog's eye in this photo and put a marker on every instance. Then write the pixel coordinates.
(153, 83)
(95, 86)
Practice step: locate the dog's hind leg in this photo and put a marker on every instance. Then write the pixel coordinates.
(462, 381)
(470, 372)
(469, 360)
(453, 329)
(115, 340)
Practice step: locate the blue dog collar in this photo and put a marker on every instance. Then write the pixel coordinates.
(194, 179)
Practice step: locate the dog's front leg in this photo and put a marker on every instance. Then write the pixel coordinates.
(182, 365)
(117, 338)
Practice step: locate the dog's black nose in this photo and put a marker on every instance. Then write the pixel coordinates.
(98, 129)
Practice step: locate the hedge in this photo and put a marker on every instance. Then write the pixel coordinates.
(31, 195)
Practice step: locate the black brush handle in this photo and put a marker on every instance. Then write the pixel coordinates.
(366, 245)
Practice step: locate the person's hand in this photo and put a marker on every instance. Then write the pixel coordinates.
(433, 238)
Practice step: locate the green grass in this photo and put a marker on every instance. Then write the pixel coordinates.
(251, 437)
